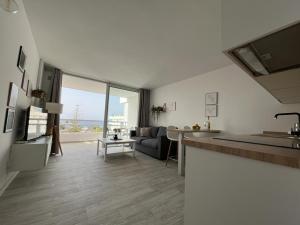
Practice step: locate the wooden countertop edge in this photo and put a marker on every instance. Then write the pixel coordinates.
(195, 131)
(275, 155)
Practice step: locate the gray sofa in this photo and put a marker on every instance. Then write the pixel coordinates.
(155, 145)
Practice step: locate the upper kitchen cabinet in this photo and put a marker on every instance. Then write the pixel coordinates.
(262, 37)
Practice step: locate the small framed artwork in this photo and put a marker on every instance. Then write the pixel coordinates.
(25, 81)
(9, 120)
(21, 60)
(171, 106)
(211, 110)
(12, 95)
(211, 98)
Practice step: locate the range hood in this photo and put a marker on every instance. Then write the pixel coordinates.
(274, 62)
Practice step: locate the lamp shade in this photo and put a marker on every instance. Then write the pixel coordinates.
(9, 6)
(54, 108)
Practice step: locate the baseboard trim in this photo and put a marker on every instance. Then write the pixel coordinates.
(8, 181)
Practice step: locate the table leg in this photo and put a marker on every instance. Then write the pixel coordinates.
(105, 152)
(98, 143)
(181, 155)
(133, 150)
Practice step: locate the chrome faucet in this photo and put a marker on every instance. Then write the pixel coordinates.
(295, 131)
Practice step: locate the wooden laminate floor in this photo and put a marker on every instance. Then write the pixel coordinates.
(81, 189)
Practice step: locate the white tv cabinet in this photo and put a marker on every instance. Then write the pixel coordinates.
(32, 155)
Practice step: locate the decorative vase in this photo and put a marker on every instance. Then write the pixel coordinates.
(196, 127)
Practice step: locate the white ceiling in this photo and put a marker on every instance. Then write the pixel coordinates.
(140, 43)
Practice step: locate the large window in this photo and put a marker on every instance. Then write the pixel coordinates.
(85, 116)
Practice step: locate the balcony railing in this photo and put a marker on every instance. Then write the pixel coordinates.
(89, 130)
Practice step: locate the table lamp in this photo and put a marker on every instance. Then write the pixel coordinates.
(54, 108)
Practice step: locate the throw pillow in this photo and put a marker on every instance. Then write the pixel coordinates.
(138, 131)
(154, 131)
(146, 132)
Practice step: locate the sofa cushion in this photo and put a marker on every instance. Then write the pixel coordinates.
(146, 132)
(162, 131)
(138, 131)
(151, 142)
(138, 139)
(154, 131)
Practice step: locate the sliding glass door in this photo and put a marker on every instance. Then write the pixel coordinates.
(122, 113)
(84, 106)
(94, 109)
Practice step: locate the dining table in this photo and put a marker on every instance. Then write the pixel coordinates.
(181, 146)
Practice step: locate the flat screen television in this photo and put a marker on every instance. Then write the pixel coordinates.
(36, 124)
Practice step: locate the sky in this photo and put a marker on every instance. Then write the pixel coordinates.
(91, 104)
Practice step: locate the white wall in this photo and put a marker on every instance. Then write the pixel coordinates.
(244, 20)
(15, 31)
(244, 106)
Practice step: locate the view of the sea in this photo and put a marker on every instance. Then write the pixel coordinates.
(83, 123)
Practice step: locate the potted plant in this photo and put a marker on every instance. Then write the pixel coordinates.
(38, 93)
(156, 110)
(40, 97)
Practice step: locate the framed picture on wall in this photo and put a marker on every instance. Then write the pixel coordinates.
(25, 81)
(21, 59)
(211, 98)
(9, 120)
(29, 89)
(12, 95)
(211, 110)
(171, 106)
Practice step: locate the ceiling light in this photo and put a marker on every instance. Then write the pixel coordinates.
(9, 6)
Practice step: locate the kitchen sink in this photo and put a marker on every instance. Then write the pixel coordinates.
(284, 136)
(282, 142)
(294, 137)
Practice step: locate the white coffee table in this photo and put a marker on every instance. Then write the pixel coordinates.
(107, 141)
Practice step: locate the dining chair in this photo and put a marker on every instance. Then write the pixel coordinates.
(173, 137)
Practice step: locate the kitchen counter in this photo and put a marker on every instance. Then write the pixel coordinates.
(181, 147)
(278, 155)
(231, 183)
